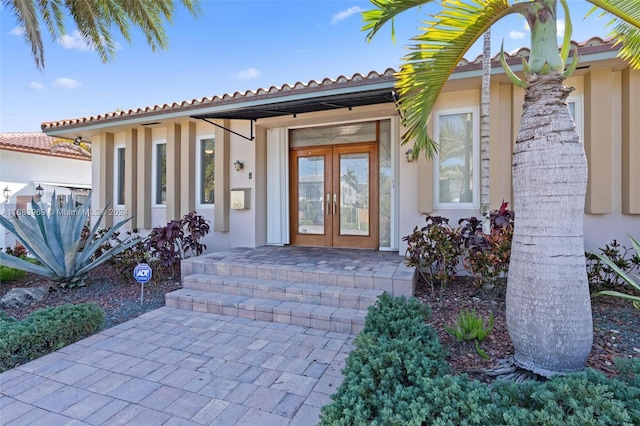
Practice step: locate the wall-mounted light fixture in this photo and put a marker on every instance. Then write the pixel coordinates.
(39, 192)
(6, 192)
(409, 155)
(77, 141)
(239, 165)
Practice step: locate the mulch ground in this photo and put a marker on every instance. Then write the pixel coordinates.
(616, 327)
(616, 322)
(120, 297)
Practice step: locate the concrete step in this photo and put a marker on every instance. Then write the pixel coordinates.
(333, 318)
(394, 279)
(285, 291)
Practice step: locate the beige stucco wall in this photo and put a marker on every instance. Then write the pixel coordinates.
(609, 101)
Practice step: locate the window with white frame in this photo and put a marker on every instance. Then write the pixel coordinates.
(456, 174)
(160, 173)
(206, 180)
(119, 175)
(575, 109)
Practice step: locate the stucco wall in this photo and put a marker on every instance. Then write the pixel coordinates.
(23, 172)
(607, 110)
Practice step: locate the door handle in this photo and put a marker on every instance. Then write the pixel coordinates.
(328, 203)
(335, 201)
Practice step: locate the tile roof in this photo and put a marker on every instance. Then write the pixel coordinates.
(38, 143)
(593, 45)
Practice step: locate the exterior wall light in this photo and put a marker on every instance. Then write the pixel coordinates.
(239, 165)
(77, 141)
(39, 192)
(409, 155)
(6, 192)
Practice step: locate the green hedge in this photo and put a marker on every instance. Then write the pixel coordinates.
(396, 375)
(45, 331)
(11, 274)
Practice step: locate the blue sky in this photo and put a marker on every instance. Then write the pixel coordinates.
(235, 45)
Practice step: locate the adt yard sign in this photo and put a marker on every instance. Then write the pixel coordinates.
(142, 273)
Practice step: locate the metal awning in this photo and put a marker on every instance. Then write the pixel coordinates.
(301, 106)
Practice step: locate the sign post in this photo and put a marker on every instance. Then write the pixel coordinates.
(142, 273)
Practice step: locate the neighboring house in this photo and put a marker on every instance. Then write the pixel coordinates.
(320, 163)
(32, 160)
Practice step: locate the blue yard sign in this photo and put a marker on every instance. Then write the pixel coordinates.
(142, 273)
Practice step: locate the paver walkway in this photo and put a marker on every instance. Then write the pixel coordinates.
(179, 367)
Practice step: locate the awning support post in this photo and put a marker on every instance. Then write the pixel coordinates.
(251, 138)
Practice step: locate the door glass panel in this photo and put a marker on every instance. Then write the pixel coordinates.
(311, 195)
(385, 185)
(354, 194)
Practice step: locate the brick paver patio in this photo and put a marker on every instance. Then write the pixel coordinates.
(179, 367)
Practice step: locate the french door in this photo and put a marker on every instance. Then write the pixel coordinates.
(334, 196)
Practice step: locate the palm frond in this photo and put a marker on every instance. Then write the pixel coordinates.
(27, 19)
(96, 20)
(627, 28)
(438, 50)
(387, 10)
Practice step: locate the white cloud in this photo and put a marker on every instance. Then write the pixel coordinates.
(74, 41)
(17, 31)
(345, 14)
(34, 85)
(560, 25)
(247, 74)
(516, 35)
(66, 83)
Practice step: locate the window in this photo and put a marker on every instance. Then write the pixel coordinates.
(575, 109)
(456, 165)
(119, 184)
(207, 170)
(160, 166)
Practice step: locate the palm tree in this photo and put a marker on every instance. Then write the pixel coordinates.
(548, 305)
(95, 20)
(485, 99)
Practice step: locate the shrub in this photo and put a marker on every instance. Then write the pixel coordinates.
(632, 280)
(56, 239)
(435, 251)
(470, 326)
(488, 254)
(602, 277)
(125, 261)
(18, 251)
(10, 274)
(178, 240)
(396, 375)
(395, 349)
(45, 331)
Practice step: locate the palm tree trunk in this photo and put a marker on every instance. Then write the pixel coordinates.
(548, 306)
(485, 99)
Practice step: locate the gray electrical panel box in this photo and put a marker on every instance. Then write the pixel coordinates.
(240, 198)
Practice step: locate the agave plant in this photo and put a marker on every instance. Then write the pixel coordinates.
(56, 241)
(630, 278)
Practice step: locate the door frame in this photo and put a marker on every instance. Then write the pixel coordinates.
(331, 236)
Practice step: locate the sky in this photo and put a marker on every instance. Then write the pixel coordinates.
(234, 45)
